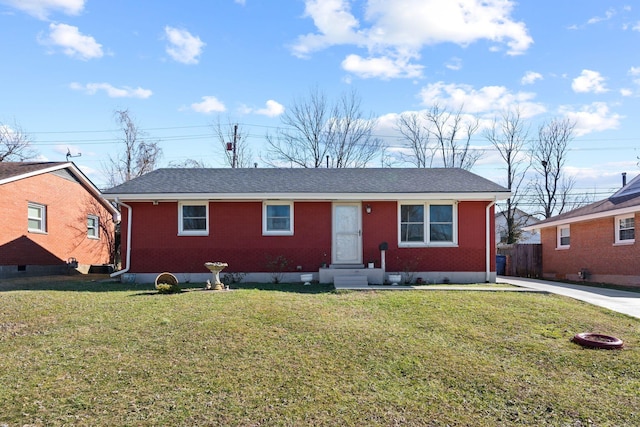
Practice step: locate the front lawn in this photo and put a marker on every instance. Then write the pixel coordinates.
(103, 354)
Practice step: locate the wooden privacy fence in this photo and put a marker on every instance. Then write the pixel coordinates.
(523, 260)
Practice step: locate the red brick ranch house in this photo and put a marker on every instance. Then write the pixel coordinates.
(432, 224)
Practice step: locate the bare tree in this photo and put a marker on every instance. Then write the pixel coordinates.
(509, 137)
(314, 131)
(139, 156)
(15, 144)
(188, 163)
(227, 134)
(105, 231)
(452, 133)
(350, 134)
(417, 139)
(551, 189)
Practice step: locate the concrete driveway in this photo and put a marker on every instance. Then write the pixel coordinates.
(620, 301)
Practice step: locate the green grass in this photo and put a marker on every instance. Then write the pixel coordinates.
(107, 354)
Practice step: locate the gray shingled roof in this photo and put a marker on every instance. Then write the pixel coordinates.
(301, 180)
(627, 197)
(15, 169)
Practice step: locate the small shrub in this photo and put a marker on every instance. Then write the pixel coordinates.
(231, 278)
(167, 288)
(277, 266)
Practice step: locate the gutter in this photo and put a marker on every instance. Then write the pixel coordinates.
(128, 256)
(488, 247)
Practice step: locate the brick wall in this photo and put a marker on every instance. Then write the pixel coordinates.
(591, 247)
(67, 205)
(235, 236)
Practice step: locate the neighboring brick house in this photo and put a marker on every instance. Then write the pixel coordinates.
(435, 223)
(595, 243)
(52, 217)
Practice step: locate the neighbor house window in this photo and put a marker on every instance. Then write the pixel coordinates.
(625, 229)
(564, 236)
(423, 224)
(277, 218)
(93, 223)
(37, 218)
(193, 218)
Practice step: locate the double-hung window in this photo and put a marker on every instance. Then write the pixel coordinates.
(93, 227)
(428, 224)
(37, 218)
(625, 229)
(277, 218)
(193, 218)
(564, 237)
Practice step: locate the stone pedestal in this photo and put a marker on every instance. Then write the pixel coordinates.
(215, 268)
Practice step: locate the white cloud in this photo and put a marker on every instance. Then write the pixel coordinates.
(634, 71)
(608, 15)
(272, 109)
(387, 30)
(626, 92)
(209, 104)
(335, 23)
(112, 91)
(530, 78)
(42, 8)
(486, 100)
(381, 67)
(454, 64)
(72, 42)
(594, 117)
(241, 2)
(589, 81)
(183, 47)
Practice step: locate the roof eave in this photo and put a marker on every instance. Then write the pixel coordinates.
(76, 172)
(308, 196)
(580, 218)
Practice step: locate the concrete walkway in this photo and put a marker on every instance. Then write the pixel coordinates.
(613, 299)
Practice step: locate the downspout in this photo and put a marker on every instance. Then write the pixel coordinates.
(488, 238)
(128, 256)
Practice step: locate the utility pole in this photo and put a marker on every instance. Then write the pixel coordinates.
(234, 161)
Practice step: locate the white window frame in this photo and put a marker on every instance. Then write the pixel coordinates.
(427, 224)
(559, 236)
(95, 227)
(265, 231)
(181, 230)
(42, 219)
(618, 219)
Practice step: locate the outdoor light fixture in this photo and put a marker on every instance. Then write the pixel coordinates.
(368, 209)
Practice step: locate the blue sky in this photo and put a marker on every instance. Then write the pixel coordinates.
(179, 66)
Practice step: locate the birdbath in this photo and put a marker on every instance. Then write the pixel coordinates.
(216, 268)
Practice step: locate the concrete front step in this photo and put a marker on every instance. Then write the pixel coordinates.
(374, 276)
(350, 281)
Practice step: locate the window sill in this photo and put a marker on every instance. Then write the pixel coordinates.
(563, 248)
(37, 232)
(625, 243)
(274, 233)
(428, 245)
(204, 233)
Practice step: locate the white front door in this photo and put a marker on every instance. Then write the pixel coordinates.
(347, 234)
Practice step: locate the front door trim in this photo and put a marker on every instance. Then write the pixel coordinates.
(346, 241)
